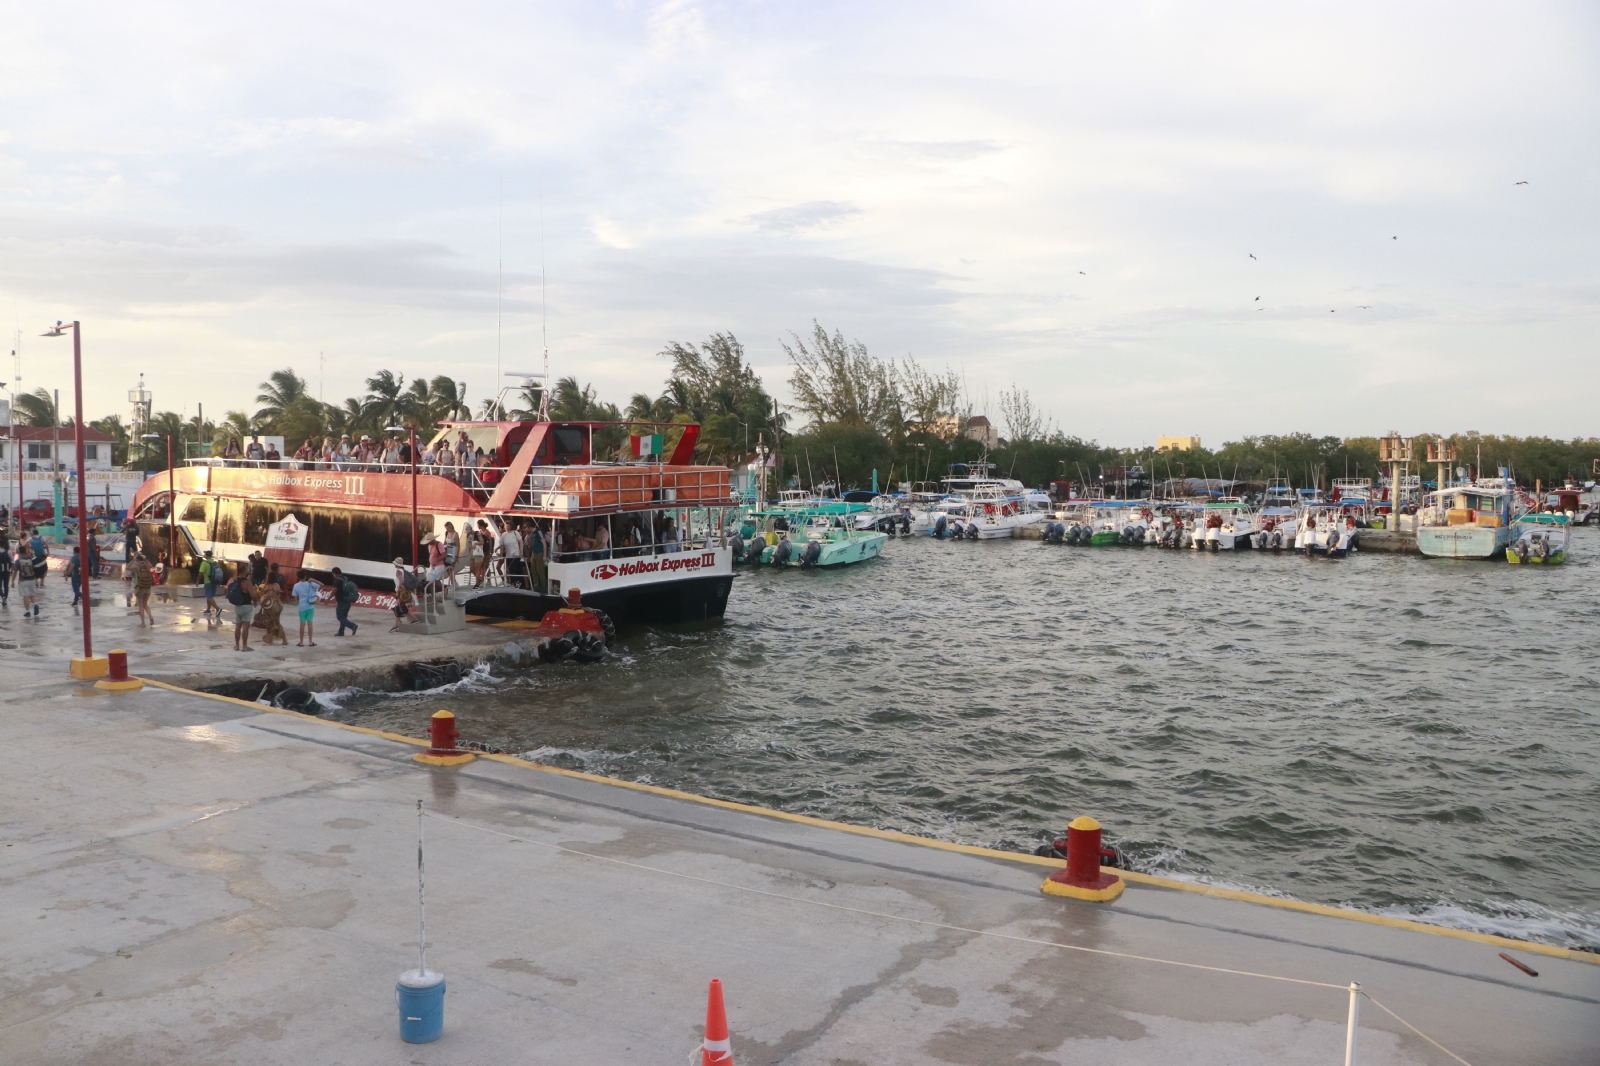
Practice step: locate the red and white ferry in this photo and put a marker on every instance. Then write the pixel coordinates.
(667, 522)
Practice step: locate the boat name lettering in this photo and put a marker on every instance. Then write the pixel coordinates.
(664, 564)
(350, 486)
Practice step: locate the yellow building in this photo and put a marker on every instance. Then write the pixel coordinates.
(1177, 444)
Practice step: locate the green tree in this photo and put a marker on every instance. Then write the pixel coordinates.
(112, 426)
(36, 408)
(282, 389)
(836, 381)
(844, 454)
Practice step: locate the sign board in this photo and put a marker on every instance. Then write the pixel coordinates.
(286, 543)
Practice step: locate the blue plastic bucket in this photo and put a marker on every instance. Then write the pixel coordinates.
(420, 997)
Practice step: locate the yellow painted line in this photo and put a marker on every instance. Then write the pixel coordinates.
(1593, 958)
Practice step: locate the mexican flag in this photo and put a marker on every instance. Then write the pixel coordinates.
(646, 445)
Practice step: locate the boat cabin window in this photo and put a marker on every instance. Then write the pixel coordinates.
(195, 509)
(563, 446)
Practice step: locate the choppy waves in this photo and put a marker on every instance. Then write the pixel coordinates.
(1406, 736)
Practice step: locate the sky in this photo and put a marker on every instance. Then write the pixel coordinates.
(1221, 219)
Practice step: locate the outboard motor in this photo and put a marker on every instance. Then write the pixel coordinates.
(939, 529)
(905, 525)
(809, 557)
(783, 552)
(737, 544)
(752, 554)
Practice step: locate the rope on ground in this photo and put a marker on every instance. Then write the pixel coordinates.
(936, 925)
(1414, 1029)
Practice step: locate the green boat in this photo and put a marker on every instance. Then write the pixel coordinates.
(815, 539)
(1539, 539)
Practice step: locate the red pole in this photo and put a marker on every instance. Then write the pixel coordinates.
(84, 557)
(172, 516)
(413, 430)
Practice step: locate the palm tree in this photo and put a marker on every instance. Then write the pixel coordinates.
(112, 426)
(36, 408)
(281, 389)
(235, 425)
(166, 424)
(447, 399)
(386, 402)
(350, 418)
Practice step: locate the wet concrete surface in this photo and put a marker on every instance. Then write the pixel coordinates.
(187, 880)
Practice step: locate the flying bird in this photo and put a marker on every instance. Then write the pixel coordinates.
(1258, 297)
(1522, 183)
(1366, 307)
(1252, 255)
(1333, 310)
(1394, 238)
(1081, 272)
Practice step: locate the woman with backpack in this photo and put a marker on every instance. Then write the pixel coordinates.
(242, 594)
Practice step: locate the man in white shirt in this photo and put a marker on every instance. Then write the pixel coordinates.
(341, 454)
(255, 452)
(511, 556)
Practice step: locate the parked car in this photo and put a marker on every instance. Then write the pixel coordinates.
(37, 512)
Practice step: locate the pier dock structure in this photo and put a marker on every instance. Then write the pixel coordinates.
(191, 879)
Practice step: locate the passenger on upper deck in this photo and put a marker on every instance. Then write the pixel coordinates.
(274, 458)
(254, 451)
(447, 461)
(302, 455)
(231, 452)
(341, 455)
(428, 460)
(391, 455)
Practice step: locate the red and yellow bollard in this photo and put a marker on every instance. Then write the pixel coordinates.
(1083, 877)
(117, 679)
(442, 750)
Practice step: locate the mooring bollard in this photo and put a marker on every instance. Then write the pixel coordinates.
(442, 750)
(118, 679)
(1082, 877)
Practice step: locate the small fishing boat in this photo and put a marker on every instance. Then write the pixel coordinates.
(807, 540)
(1469, 521)
(1539, 542)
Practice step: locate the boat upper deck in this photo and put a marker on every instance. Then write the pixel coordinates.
(540, 470)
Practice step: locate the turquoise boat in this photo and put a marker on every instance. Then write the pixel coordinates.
(814, 539)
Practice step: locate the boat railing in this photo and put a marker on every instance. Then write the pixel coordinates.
(588, 489)
(561, 489)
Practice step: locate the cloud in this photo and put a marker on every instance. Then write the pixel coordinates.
(798, 218)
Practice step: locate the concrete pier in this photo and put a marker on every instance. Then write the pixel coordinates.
(190, 880)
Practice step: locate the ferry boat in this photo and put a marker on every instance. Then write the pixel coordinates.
(664, 555)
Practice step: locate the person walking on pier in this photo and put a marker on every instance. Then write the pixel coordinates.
(5, 571)
(75, 576)
(345, 595)
(27, 584)
(211, 575)
(305, 594)
(144, 579)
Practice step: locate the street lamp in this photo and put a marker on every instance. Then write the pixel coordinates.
(87, 667)
(412, 430)
(172, 507)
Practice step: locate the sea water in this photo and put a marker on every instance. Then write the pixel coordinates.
(1403, 735)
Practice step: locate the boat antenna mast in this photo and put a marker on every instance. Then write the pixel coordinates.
(544, 326)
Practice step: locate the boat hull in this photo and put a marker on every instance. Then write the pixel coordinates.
(695, 599)
(1546, 560)
(1463, 542)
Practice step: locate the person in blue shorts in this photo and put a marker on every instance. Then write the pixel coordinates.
(305, 593)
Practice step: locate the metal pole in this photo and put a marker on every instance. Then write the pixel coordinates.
(1350, 1026)
(421, 908)
(413, 430)
(84, 558)
(172, 515)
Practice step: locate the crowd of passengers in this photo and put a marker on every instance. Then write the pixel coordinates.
(459, 460)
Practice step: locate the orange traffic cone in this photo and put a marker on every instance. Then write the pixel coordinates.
(716, 1050)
